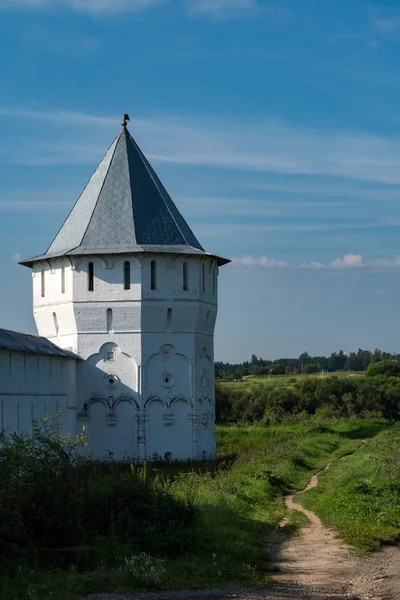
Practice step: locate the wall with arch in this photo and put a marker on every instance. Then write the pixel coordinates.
(112, 429)
(156, 396)
(167, 374)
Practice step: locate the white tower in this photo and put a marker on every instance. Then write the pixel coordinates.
(127, 286)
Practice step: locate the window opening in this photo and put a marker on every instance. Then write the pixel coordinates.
(55, 323)
(153, 269)
(63, 280)
(214, 279)
(185, 277)
(91, 277)
(110, 323)
(127, 275)
(203, 277)
(169, 319)
(110, 355)
(42, 283)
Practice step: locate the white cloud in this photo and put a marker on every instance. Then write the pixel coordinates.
(223, 8)
(349, 261)
(263, 145)
(387, 24)
(84, 6)
(264, 261)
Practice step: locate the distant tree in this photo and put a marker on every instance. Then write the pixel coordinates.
(254, 360)
(312, 368)
(304, 359)
(278, 369)
(385, 367)
(377, 356)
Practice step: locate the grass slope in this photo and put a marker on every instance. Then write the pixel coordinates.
(359, 496)
(238, 500)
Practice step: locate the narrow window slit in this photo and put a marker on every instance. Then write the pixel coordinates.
(91, 277)
(110, 320)
(185, 277)
(153, 275)
(127, 275)
(42, 281)
(56, 326)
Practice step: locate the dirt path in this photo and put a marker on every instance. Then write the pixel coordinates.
(315, 565)
(319, 562)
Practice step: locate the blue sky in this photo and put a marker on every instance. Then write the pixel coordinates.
(274, 126)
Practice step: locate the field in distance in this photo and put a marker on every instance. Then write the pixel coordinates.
(285, 380)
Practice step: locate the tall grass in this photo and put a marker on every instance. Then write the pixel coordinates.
(359, 496)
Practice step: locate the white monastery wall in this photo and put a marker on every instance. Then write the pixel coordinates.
(33, 385)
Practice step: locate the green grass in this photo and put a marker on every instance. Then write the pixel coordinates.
(359, 496)
(239, 501)
(282, 380)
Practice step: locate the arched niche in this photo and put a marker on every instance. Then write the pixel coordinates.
(181, 432)
(123, 435)
(157, 434)
(112, 431)
(96, 425)
(167, 374)
(110, 360)
(169, 429)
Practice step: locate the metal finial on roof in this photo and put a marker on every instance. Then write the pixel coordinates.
(125, 120)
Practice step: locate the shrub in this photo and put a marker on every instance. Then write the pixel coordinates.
(51, 496)
(384, 367)
(312, 368)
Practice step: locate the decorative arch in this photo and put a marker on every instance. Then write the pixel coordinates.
(134, 260)
(90, 258)
(167, 374)
(112, 427)
(129, 399)
(111, 361)
(155, 399)
(95, 400)
(181, 398)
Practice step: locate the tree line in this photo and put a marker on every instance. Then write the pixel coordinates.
(337, 361)
(374, 395)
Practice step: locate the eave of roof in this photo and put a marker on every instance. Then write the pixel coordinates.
(85, 251)
(34, 344)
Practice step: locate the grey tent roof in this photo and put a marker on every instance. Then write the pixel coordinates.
(124, 208)
(24, 342)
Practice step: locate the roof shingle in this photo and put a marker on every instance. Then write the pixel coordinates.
(124, 208)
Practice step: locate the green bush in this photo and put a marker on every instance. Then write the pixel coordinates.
(50, 496)
(312, 368)
(329, 397)
(384, 367)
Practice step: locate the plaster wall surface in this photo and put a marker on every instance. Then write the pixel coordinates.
(33, 385)
(148, 381)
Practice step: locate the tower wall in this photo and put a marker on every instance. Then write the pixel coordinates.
(149, 375)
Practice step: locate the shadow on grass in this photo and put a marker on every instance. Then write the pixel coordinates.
(366, 430)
